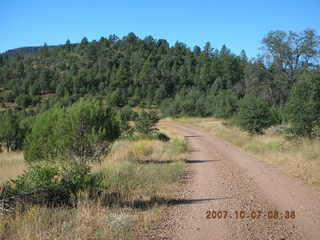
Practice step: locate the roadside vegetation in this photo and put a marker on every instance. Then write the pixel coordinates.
(135, 187)
(111, 183)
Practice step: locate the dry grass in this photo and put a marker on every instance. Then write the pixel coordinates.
(11, 165)
(144, 169)
(144, 174)
(299, 158)
(90, 220)
(143, 151)
(169, 131)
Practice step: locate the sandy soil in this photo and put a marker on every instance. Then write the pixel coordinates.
(224, 179)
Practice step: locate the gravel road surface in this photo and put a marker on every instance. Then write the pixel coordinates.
(230, 195)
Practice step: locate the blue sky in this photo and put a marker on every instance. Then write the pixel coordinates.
(238, 24)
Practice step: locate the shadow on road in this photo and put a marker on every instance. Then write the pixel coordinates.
(201, 161)
(145, 204)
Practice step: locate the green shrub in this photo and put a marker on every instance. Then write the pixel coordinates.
(304, 105)
(43, 141)
(81, 132)
(187, 103)
(146, 121)
(24, 100)
(71, 177)
(38, 176)
(9, 96)
(225, 104)
(254, 115)
(278, 115)
(13, 128)
(316, 129)
(124, 116)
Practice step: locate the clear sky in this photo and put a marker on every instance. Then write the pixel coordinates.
(240, 24)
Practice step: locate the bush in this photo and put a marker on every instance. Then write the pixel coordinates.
(225, 104)
(81, 132)
(278, 115)
(70, 177)
(24, 100)
(187, 103)
(9, 96)
(13, 128)
(146, 121)
(316, 130)
(254, 115)
(304, 105)
(124, 116)
(38, 176)
(42, 142)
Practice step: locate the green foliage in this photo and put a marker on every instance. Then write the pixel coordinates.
(116, 99)
(125, 118)
(42, 142)
(24, 100)
(76, 177)
(38, 176)
(316, 129)
(149, 73)
(139, 72)
(225, 104)
(190, 103)
(254, 115)
(278, 115)
(9, 96)
(71, 177)
(8, 129)
(87, 129)
(304, 105)
(82, 132)
(13, 129)
(146, 121)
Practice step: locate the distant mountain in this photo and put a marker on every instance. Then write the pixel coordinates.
(25, 51)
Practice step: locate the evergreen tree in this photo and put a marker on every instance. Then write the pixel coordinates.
(254, 115)
(304, 105)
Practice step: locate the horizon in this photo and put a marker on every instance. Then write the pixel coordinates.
(236, 25)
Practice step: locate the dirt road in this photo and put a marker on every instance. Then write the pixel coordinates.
(224, 178)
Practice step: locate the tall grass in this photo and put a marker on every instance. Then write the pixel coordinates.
(90, 220)
(138, 178)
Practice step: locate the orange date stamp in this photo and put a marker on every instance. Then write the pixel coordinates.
(256, 214)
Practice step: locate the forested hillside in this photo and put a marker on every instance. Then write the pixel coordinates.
(129, 70)
(181, 81)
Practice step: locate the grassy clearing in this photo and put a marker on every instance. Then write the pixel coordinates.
(140, 177)
(11, 165)
(296, 157)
